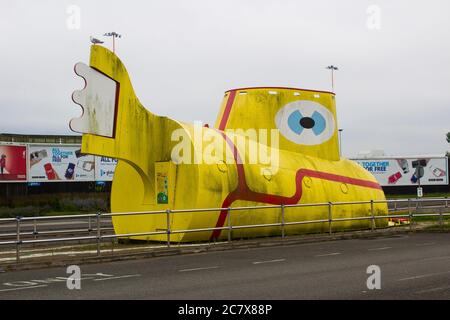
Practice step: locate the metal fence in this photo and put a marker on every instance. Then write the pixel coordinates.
(410, 208)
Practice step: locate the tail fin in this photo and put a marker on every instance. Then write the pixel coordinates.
(114, 123)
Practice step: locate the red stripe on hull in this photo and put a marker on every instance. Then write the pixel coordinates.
(226, 112)
(243, 192)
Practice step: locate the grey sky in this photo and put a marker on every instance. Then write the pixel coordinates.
(392, 87)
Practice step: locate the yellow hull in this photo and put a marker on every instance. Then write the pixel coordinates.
(148, 178)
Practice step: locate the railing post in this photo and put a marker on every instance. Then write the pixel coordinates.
(446, 202)
(99, 233)
(282, 222)
(440, 219)
(395, 205)
(410, 215)
(18, 241)
(89, 224)
(330, 217)
(230, 226)
(168, 227)
(35, 229)
(372, 214)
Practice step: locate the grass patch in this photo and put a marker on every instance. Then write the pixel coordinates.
(56, 204)
(414, 196)
(436, 227)
(433, 218)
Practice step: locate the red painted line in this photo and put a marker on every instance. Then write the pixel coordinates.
(243, 192)
(232, 96)
(281, 88)
(226, 112)
(242, 184)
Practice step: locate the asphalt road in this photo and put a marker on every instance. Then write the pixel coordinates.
(49, 225)
(53, 228)
(413, 266)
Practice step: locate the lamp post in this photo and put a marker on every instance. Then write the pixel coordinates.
(340, 141)
(332, 68)
(113, 35)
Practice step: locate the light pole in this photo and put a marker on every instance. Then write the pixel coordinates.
(332, 68)
(113, 35)
(340, 142)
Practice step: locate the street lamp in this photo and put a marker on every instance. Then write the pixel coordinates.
(340, 142)
(113, 35)
(332, 68)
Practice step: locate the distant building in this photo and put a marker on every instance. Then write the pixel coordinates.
(39, 138)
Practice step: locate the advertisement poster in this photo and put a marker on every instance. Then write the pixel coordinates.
(400, 171)
(55, 163)
(13, 163)
(104, 168)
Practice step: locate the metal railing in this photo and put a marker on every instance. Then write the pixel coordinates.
(402, 205)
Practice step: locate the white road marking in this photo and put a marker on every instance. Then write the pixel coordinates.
(98, 274)
(269, 261)
(118, 277)
(197, 269)
(327, 254)
(424, 276)
(55, 251)
(436, 258)
(425, 244)
(432, 290)
(23, 288)
(388, 238)
(382, 248)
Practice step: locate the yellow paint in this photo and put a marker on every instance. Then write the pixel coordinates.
(255, 108)
(143, 145)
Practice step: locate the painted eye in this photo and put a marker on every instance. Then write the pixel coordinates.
(305, 122)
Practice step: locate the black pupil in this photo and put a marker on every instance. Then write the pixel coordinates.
(307, 122)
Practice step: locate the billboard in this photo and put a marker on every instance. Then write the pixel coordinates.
(104, 168)
(400, 172)
(13, 163)
(56, 163)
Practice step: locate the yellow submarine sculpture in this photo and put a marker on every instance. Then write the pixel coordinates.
(269, 146)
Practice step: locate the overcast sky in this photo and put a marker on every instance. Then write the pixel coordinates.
(392, 87)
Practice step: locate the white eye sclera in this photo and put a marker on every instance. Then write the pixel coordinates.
(305, 122)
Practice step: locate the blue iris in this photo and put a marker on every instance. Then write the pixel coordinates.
(297, 122)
